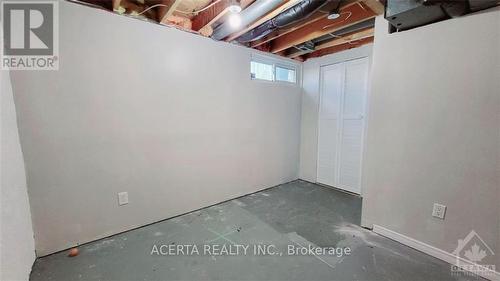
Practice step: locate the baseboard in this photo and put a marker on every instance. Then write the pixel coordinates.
(433, 251)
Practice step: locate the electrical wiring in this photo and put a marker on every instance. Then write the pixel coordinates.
(151, 7)
(180, 11)
(349, 14)
(200, 10)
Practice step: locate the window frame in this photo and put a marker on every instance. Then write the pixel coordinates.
(276, 62)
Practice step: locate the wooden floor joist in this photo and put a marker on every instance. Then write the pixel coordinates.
(116, 5)
(365, 33)
(350, 37)
(320, 14)
(339, 48)
(349, 16)
(286, 5)
(210, 15)
(205, 19)
(165, 12)
(375, 5)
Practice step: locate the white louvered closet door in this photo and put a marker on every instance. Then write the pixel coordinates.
(341, 124)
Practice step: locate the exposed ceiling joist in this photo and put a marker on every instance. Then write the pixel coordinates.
(133, 8)
(347, 38)
(165, 12)
(204, 20)
(313, 18)
(116, 5)
(349, 16)
(286, 5)
(210, 15)
(375, 5)
(353, 36)
(339, 48)
(297, 54)
(278, 33)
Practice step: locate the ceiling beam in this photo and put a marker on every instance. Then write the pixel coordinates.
(204, 20)
(375, 5)
(349, 16)
(286, 5)
(362, 34)
(353, 36)
(116, 5)
(210, 15)
(320, 14)
(339, 48)
(165, 12)
(129, 7)
(280, 32)
(298, 53)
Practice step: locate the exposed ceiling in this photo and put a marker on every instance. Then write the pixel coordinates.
(303, 30)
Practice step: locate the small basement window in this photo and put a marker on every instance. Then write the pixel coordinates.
(262, 68)
(285, 74)
(261, 71)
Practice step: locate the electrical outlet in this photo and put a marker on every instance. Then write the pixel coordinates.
(439, 211)
(122, 198)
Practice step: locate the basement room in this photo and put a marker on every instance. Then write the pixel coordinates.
(250, 140)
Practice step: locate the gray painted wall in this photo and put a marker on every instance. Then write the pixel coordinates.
(310, 107)
(17, 249)
(433, 133)
(170, 117)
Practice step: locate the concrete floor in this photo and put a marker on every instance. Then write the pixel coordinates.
(296, 214)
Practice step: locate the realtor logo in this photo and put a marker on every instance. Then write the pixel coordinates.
(30, 35)
(470, 252)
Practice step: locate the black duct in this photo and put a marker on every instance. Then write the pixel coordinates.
(408, 14)
(294, 14)
(359, 26)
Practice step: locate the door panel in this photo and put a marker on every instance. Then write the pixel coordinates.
(350, 160)
(341, 124)
(331, 84)
(351, 145)
(327, 148)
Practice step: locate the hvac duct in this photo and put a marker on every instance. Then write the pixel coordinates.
(248, 16)
(296, 13)
(404, 15)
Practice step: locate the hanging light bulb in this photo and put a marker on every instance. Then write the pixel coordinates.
(234, 20)
(234, 7)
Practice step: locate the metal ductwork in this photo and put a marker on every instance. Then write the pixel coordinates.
(310, 46)
(407, 14)
(339, 33)
(296, 13)
(248, 16)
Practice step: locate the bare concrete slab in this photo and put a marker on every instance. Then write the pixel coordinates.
(296, 215)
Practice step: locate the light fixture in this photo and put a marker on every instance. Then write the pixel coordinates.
(234, 20)
(234, 7)
(333, 15)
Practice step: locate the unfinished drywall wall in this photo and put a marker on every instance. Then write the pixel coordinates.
(170, 117)
(17, 249)
(433, 133)
(310, 106)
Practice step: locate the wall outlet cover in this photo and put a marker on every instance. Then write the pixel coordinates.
(439, 211)
(122, 198)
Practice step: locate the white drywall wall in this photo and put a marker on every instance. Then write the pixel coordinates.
(17, 249)
(433, 133)
(170, 117)
(310, 107)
